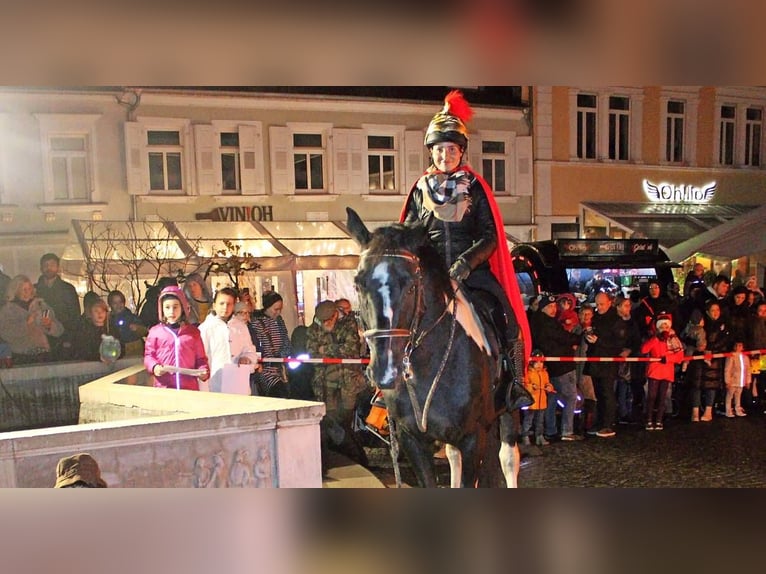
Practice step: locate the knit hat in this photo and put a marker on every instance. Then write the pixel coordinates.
(664, 322)
(325, 310)
(78, 468)
(270, 298)
(449, 124)
(547, 299)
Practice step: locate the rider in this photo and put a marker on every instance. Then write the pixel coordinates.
(458, 208)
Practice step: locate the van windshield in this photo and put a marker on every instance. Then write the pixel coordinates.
(586, 283)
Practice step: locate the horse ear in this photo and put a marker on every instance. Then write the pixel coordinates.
(357, 228)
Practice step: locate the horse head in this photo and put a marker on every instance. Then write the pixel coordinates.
(395, 266)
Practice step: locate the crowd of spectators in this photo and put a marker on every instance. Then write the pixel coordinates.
(709, 318)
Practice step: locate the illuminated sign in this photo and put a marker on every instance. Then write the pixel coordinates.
(670, 193)
(238, 213)
(606, 247)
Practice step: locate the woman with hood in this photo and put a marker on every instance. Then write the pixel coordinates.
(199, 296)
(174, 342)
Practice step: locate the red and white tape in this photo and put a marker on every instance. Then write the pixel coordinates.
(365, 361)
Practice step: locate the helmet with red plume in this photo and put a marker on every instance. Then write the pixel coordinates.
(449, 125)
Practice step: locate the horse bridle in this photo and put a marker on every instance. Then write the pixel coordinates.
(416, 338)
(418, 286)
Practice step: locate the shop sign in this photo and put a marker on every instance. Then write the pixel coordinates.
(238, 213)
(606, 247)
(683, 193)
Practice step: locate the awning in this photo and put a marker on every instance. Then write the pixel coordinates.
(114, 247)
(743, 235)
(670, 224)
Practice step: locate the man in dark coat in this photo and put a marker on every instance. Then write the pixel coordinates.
(607, 340)
(553, 340)
(62, 298)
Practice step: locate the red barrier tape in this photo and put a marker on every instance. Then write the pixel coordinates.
(364, 361)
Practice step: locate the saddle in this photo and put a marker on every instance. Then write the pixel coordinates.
(509, 392)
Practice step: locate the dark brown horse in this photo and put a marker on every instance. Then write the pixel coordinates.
(436, 373)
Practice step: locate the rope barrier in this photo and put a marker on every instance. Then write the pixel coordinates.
(365, 361)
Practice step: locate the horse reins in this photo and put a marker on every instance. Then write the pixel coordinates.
(415, 339)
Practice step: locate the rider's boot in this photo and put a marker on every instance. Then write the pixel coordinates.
(511, 394)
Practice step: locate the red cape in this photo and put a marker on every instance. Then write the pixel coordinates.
(499, 262)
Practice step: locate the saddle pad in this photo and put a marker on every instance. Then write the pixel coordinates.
(469, 319)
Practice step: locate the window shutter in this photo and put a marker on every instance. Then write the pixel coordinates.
(282, 174)
(415, 163)
(524, 176)
(251, 160)
(136, 159)
(347, 155)
(205, 149)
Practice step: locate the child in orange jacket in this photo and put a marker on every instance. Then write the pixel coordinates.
(664, 344)
(538, 383)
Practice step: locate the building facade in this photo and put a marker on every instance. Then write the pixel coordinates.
(270, 171)
(666, 162)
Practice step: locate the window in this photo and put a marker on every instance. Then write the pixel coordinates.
(230, 174)
(586, 126)
(753, 123)
(165, 160)
(68, 144)
(308, 161)
(69, 166)
(381, 163)
(619, 128)
(674, 136)
(728, 119)
(493, 164)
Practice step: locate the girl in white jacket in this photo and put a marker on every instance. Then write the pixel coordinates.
(226, 338)
(737, 376)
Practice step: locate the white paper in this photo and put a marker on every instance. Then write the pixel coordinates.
(184, 371)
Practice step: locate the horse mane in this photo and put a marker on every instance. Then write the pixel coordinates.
(414, 238)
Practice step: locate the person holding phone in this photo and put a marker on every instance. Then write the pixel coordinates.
(26, 323)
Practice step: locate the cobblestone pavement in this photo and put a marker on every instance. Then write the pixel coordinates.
(724, 453)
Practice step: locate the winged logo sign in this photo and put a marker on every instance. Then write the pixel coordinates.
(685, 193)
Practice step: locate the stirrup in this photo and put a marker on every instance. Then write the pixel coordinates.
(518, 397)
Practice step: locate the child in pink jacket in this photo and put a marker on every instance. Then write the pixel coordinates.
(664, 344)
(174, 342)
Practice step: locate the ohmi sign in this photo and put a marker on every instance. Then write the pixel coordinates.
(683, 193)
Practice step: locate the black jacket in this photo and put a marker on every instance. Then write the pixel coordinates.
(612, 333)
(474, 237)
(553, 340)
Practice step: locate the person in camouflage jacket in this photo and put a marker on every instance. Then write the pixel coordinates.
(337, 385)
(331, 337)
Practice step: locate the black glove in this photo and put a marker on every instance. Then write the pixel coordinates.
(460, 270)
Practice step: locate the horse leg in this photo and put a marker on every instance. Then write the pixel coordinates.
(455, 465)
(471, 448)
(420, 456)
(509, 449)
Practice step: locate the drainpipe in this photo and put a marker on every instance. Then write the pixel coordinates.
(130, 99)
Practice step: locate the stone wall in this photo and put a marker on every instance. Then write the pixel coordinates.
(147, 437)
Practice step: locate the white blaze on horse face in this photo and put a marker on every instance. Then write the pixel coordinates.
(381, 274)
(388, 377)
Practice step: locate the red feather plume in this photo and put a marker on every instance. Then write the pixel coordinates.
(456, 105)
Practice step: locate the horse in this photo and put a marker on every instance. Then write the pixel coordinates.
(436, 378)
